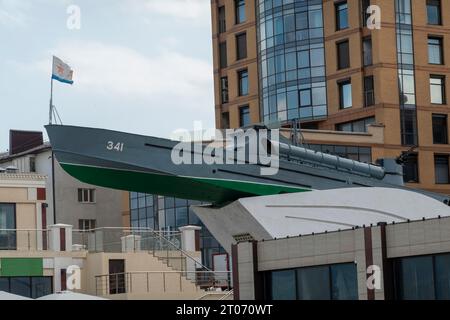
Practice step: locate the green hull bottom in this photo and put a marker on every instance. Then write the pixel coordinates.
(207, 190)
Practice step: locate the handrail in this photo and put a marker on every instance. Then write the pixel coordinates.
(37, 230)
(125, 282)
(229, 293)
(188, 255)
(128, 229)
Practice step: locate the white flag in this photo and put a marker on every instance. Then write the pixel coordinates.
(61, 71)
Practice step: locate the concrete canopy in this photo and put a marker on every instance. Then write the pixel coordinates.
(280, 216)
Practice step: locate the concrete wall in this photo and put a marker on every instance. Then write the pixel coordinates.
(107, 209)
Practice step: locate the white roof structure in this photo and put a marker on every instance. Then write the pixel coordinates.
(279, 216)
(9, 296)
(69, 295)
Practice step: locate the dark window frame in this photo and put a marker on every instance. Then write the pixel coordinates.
(268, 275)
(343, 62)
(242, 115)
(238, 6)
(240, 79)
(221, 19)
(396, 264)
(440, 44)
(11, 235)
(365, 40)
(340, 24)
(442, 155)
(241, 46)
(341, 84)
(438, 4)
(369, 95)
(30, 278)
(411, 163)
(440, 131)
(223, 55)
(224, 93)
(364, 15)
(443, 88)
(366, 121)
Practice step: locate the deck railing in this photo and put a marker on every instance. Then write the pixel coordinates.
(24, 239)
(125, 239)
(161, 281)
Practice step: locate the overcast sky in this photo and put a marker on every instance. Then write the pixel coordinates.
(141, 66)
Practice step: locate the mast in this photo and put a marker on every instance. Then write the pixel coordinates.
(50, 112)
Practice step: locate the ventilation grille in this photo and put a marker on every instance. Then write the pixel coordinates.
(243, 237)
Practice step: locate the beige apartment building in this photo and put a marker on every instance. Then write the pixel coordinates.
(317, 62)
(38, 258)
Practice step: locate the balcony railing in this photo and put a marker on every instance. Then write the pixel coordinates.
(161, 281)
(126, 240)
(24, 239)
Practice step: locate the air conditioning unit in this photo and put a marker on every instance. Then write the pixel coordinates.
(11, 169)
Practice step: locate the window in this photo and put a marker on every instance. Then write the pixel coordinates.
(411, 169)
(223, 54)
(86, 224)
(434, 12)
(441, 169)
(240, 10)
(435, 52)
(364, 15)
(283, 285)
(440, 133)
(225, 120)
(241, 46)
(329, 282)
(31, 287)
(7, 221)
(142, 211)
(343, 55)
(243, 82)
(222, 20)
(32, 164)
(313, 283)
(341, 9)
(345, 94)
(244, 116)
(422, 277)
(86, 195)
(344, 284)
(355, 126)
(437, 89)
(408, 123)
(224, 89)
(367, 51)
(369, 93)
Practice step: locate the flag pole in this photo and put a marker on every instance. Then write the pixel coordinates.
(50, 113)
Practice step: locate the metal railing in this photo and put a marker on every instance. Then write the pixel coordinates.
(161, 281)
(24, 239)
(164, 245)
(124, 239)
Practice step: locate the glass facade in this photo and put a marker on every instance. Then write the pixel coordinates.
(423, 277)
(405, 59)
(330, 282)
(31, 287)
(292, 60)
(168, 214)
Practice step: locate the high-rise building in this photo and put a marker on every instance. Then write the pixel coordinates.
(317, 62)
